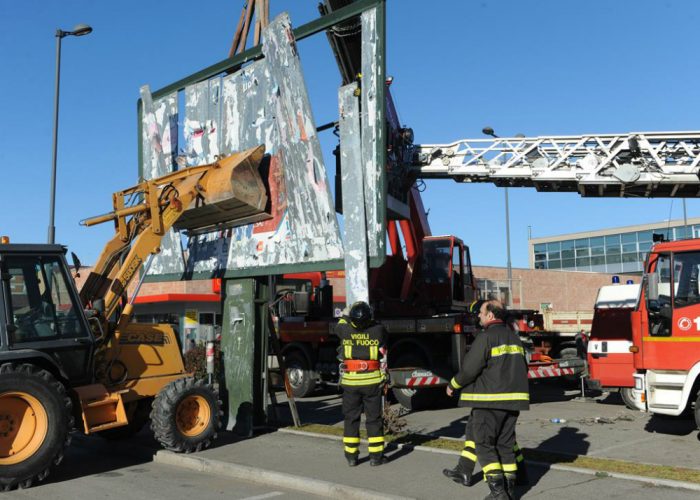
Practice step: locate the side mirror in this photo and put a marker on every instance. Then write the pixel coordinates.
(76, 264)
(652, 287)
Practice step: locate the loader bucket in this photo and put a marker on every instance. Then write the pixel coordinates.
(234, 193)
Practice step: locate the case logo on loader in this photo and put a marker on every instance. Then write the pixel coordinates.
(148, 338)
(118, 285)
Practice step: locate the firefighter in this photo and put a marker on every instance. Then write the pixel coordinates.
(362, 351)
(463, 471)
(493, 382)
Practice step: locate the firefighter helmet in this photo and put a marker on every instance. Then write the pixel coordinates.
(361, 314)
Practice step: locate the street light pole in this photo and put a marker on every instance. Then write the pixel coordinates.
(79, 30)
(509, 268)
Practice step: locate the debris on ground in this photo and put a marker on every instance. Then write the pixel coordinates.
(394, 423)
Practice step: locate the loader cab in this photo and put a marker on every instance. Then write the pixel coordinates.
(447, 272)
(41, 314)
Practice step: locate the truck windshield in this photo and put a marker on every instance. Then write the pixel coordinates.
(41, 306)
(436, 261)
(686, 271)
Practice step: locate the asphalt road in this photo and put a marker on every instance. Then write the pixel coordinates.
(95, 469)
(599, 425)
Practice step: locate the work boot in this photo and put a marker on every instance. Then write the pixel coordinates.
(510, 480)
(352, 461)
(497, 485)
(458, 476)
(521, 477)
(378, 460)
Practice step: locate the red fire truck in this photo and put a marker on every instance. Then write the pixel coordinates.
(665, 333)
(610, 361)
(666, 330)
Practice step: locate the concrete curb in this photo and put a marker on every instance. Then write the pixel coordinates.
(267, 477)
(565, 468)
(619, 475)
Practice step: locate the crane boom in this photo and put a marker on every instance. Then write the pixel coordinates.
(637, 164)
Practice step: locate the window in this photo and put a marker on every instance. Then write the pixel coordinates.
(582, 243)
(598, 264)
(540, 252)
(612, 244)
(629, 247)
(583, 263)
(567, 249)
(553, 250)
(688, 270)
(644, 236)
(629, 238)
(436, 265)
(663, 268)
(41, 305)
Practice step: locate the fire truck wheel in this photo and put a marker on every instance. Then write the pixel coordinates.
(412, 399)
(35, 420)
(569, 352)
(301, 377)
(186, 415)
(415, 400)
(628, 398)
(138, 412)
(696, 411)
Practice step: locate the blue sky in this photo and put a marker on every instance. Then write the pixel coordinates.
(530, 66)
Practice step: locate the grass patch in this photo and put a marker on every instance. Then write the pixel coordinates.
(611, 465)
(602, 465)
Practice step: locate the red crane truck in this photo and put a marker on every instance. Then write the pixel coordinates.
(421, 294)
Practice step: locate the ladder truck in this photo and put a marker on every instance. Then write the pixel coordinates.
(662, 327)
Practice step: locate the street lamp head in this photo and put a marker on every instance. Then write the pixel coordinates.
(81, 29)
(488, 131)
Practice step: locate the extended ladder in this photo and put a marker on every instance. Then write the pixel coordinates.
(638, 164)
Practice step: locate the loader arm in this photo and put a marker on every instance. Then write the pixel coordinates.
(226, 193)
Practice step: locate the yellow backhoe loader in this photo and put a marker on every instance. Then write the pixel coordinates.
(72, 360)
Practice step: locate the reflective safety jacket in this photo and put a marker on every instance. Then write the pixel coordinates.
(494, 371)
(361, 344)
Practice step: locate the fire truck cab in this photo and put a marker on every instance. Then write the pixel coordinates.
(666, 330)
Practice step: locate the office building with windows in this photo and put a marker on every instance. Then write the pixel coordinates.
(615, 250)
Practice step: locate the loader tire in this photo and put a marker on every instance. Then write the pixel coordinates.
(186, 415)
(35, 421)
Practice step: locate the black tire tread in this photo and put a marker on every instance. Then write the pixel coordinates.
(29, 370)
(163, 416)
